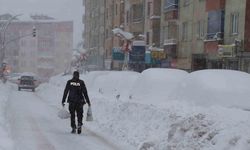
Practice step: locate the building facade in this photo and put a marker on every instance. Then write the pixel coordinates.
(94, 32)
(46, 52)
(109, 25)
(192, 34)
(170, 30)
(118, 22)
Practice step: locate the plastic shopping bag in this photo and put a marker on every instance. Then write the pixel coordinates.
(63, 114)
(89, 115)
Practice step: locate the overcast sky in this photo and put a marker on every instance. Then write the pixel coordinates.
(69, 10)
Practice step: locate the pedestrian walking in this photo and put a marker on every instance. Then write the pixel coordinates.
(77, 95)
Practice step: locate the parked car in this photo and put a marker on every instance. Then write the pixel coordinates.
(26, 82)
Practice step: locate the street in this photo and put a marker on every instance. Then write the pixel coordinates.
(34, 125)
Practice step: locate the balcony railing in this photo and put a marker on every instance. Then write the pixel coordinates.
(170, 42)
(215, 36)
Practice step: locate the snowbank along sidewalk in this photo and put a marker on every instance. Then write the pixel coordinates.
(129, 107)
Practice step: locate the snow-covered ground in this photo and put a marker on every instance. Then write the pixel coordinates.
(5, 140)
(162, 109)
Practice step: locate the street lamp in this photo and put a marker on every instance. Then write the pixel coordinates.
(4, 43)
(3, 36)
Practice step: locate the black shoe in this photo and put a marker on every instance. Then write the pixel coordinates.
(73, 131)
(79, 130)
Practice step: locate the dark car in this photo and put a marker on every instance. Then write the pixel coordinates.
(27, 82)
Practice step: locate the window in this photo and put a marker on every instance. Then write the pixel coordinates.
(149, 9)
(186, 2)
(15, 62)
(107, 13)
(200, 29)
(127, 17)
(170, 5)
(235, 23)
(107, 33)
(137, 12)
(215, 26)
(116, 9)
(165, 32)
(148, 35)
(185, 31)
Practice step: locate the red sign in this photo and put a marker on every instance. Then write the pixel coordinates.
(126, 47)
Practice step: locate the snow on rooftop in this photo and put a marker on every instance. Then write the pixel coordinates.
(139, 43)
(35, 18)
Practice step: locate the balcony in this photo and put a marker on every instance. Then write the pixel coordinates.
(170, 42)
(171, 15)
(218, 36)
(170, 47)
(170, 10)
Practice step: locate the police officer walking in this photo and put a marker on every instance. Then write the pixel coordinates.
(77, 96)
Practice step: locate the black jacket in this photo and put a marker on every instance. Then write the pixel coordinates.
(76, 91)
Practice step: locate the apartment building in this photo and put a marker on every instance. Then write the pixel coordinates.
(237, 31)
(109, 26)
(152, 22)
(169, 30)
(94, 32)
(134, 17)
(194, 34)
(230, 45)
(211, 34)
(118, 22)
(47, 53)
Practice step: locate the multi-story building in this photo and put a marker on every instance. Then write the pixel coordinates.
(207, 33)
(118, 22)
(228, 34)
(134, 17)
(152, 22)
(94, 34)
(109, 26)
(46, 53)
(192, 33)
(195, 34)
(215, 32)
(237, 30)
(169, 30)
(135, 24)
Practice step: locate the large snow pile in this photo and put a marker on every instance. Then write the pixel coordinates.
(177, 125)
(155, 85)
(91, 77)
(216, 87)
(114, 84)
(5, 141)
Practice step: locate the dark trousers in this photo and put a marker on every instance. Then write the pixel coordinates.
(76, 108)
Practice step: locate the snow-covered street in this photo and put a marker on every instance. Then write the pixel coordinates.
(35, 126)
(139, 111)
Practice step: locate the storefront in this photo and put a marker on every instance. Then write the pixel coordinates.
(117, 58)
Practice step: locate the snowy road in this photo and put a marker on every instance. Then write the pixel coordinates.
(34, 125)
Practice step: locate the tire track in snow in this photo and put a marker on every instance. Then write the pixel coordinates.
(24, 129)
(24, 126)
(42, 142)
